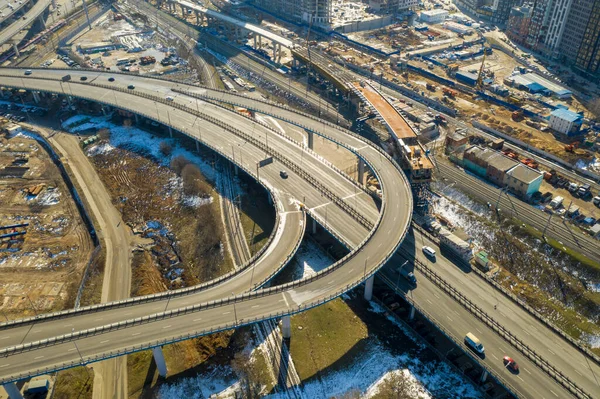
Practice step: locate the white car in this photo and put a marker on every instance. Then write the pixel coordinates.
(429, 251)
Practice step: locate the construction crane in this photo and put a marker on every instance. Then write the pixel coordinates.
(479, 84)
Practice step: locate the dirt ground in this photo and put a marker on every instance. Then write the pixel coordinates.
(42, 268)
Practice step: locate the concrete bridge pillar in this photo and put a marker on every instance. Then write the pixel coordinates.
(314, 226)
(54, 4)
(286, 327)
(254, 38)
(137, 118)
(278, 53)
(259, 41)
(159, 359)
(42, 22)
(369, 288)
(411, 315)
(311, 139)
(197, 18)
(361, 171)
(484, 376)
(197, 146)
(183, 11)
(16, 50)
(170, 132)
(12, 391)
(36, 96)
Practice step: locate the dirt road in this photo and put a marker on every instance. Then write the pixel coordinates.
(110, 375)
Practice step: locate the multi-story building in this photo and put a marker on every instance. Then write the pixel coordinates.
(576, 22)
(540, 13)
(518, 24)
(502, 10)
(309, 11)
(393, 6)
(588, 56)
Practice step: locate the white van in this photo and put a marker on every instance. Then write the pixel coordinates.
(429, 251)
(474, 342)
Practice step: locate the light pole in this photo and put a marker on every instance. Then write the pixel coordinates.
(234, 311)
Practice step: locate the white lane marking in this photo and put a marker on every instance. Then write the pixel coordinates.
(554, 393)
(198, 319)
(456, 312)
(226, 312)
(527, 371)
(550, 350)
(4, 365)
(449, 318)
(255, 306)
(99, 318)
(494, 356)
(105, 341)
(39, 357)
(127, 314)
(329, 283)
(72, 349)
(478, 330)
(525, 331)
(428, 301)
(7, 337)
(169, 326)
(436, 295)
(68, 325)
(134, 334)
(286, 301)
(520, 378)
(503, 315)
(502, 349)
(36, 331)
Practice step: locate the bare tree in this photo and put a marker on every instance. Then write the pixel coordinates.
(178, 163)
(165, 148)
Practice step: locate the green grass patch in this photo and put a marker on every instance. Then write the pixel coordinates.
(329, 337)
(75, 383)
(140, 372)
(585, 261)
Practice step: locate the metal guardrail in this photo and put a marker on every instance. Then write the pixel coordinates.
(552, 371)
(285, 286)
(458, 341)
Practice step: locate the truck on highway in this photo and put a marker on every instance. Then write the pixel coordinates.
(66, 78)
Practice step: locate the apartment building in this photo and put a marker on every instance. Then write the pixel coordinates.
(318, 12)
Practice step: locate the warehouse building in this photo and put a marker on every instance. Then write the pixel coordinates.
(434, 16)
(476, 158)
(523, 181)
(565, 122)
(535, 84)
(498, 166)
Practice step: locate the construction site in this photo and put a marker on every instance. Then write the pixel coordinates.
(44, 245)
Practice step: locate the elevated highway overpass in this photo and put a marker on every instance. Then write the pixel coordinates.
(345, 275)
(29, 18)
(527, 385)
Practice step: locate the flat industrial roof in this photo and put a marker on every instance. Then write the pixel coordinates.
(524, 174)
(529, 78)
(253, 28)
(500, 162)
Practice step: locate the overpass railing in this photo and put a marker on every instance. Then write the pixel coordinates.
(548, 368)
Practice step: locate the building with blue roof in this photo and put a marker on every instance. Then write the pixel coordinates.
(565, 121)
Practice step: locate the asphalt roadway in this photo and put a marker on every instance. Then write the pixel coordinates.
(489, 335)
(354, 270)
(29, 18)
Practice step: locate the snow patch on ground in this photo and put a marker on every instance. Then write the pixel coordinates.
(138, 140)
(309, 260)
(592, 165)
(219, 382)
(103, 148)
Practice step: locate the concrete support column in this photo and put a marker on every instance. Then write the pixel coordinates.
(54, 4)
(104, 110)
(3, 93)
(411, 315)
(16, 50)
(311, 139)
(137, 118)
(36, 96)
(236, 169)
(314, 226)
(254, 37)
(159, 359)
(484, 376)
(361, 171)
(42, 22)
(286, 327)
(197, 18)
(369, 288)
(259, 41)
(278, 53)
(12, 391)
(197, 146)
(170, 132)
